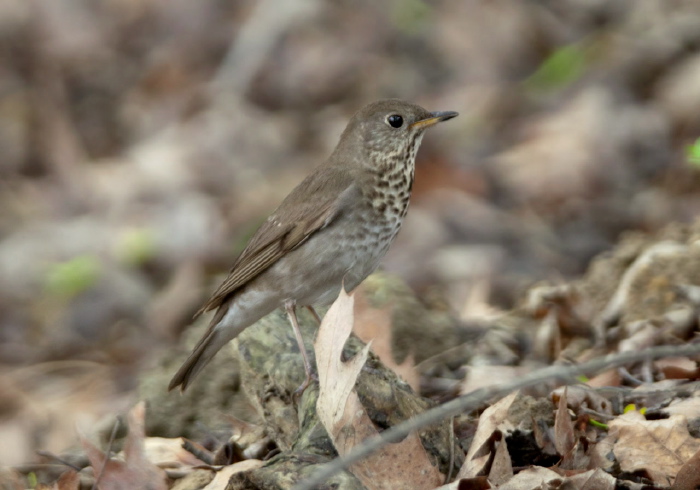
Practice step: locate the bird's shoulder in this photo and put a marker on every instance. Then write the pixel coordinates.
(325, 192)
(315, 203)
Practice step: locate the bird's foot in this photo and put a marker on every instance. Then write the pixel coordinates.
(311, 377)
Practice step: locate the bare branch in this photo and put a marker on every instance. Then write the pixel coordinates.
(476, 398)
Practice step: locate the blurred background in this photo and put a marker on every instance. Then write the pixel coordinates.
(143, 141)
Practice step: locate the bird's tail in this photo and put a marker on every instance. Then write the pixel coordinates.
(204, 351)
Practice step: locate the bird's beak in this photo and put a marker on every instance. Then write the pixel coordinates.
(435, 117)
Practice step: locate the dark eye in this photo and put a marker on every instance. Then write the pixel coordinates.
(395, 121)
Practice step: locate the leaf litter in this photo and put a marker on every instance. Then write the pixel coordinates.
(400, 465)
(643, 293)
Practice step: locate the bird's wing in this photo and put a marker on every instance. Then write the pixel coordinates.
(287, 228)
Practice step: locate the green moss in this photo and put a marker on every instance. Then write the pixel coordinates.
(410, 16)
(136, 246)
(692, 153)
(564, 66)
(70, 278)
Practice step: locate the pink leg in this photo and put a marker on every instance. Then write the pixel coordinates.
(313, 312)
(290, 307)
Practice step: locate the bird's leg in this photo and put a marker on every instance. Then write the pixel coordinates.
(290, 307)
(313, 312)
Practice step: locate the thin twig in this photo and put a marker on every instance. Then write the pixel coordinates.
(596, 414)
(476, 398)
(112, 436)
(627, 376)
(48, 454)
(448, 477)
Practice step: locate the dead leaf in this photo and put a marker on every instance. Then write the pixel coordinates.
(11, 479)
(502, 466)
(590, 480)
(65, 392)
(678, 368)
(638, 336)
(136, 471)
(547, 341)
(375, 325)
(169, 452)
(564, 438)
(579, 397)
(688, 477)
(195, 480)
(688, 407)
(611, 377)
(401, 465)
(477, 483)
(532, 478)
(494, 418)
(658, 447)
(69, 480)
(220, 481)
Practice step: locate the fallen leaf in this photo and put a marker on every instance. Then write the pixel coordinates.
(678, 368)
(494, 418)
(169, 452)
(688, 407)
(590, 480)
(688, 477)
(578, 397)
(400, 465)
(611, 377)
(502, 466)
(136, 471)
(658, 447)
(564, 438)
(374, 325)
(69, 480)
(195, 480)
(476, 483)
(532, 478)
(547, 341)
(220, 481)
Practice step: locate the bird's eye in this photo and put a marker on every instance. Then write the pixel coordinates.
(395, 121)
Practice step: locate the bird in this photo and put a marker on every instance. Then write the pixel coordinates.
(331, 231)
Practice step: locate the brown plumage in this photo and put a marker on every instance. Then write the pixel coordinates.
(335, 226)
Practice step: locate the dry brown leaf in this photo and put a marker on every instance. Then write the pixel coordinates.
(220, 481)
(564, 439)
(502, 466)
(136, 471)
(374, 325)
(678, 368)
(401, 465)
(533, 478)
(64, 392)
(578, 397)
(11, 479)
(659, 447)
(688, 477)
(69, 480)
(169, 452)
(590, 480)
(547, 341)
(336, 378)
(494, 418)
(476, 483)
(638, 336)
(611, 377)
(620, 300)
(688, 407)
(195, 480)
